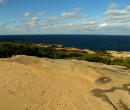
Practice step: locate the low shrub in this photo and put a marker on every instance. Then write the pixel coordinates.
(59, 55)
(7, 49)
(97, 58)
(117, 61)
(127, 62)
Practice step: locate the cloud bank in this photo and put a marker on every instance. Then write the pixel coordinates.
(2, 2)
(111, 21)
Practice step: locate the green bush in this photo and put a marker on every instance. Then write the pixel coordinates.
(121, 61)
(117, 61)
(59, 55)
(7, 49)
(97, 58)
(127, 62)
(66, 54)
(103, 53)
(74, 54)
(45, 52)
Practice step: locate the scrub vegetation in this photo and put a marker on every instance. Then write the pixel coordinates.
(8, 49)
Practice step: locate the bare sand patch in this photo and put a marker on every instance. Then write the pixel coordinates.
(31, 83)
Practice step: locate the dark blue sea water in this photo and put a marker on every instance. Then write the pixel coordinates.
(93, 42)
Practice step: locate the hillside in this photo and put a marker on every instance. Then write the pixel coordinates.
(31, 83)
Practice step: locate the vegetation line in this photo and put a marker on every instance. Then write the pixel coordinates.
(8, 49)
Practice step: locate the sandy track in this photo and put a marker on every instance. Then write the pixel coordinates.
(30, 83)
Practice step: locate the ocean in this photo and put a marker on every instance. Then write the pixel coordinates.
(93, 42)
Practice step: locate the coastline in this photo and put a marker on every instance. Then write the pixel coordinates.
(58, 51)
(92, 42)
(62, 78)
(114, 53)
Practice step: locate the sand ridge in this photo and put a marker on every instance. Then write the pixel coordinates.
(31, 83)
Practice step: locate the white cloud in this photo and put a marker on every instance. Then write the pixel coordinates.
(6, 24)
(2, 26)
(123, 18)
(62, 17)
(89, 22)
(33, 22)
(86, 27)
(103, 25)
(2, 2)
(30, 21)
(116, 12)
(112, 6)
(115, 29)
(27, 14)
(53, 19)
(112, 21)
(68, 27)
(117, 16)
(128, 8)
(40, 13)
(71, 15)
(34, 19)
(10, 21)
(77, 9)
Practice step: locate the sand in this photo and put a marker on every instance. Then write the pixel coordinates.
(31, 83)
(123, 54)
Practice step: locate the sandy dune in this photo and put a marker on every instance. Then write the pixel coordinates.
(123, 54)
(30, 83)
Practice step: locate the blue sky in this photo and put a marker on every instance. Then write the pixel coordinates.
(65, 17)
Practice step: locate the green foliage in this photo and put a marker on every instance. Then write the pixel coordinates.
(97, 58)
(7, 49)
(103, 53)
(121, 61)
(59, 55)
(45, 52)
(127, 62)
(74, 54)
(66, 54)
(117, 61)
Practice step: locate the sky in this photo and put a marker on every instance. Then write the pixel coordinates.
(109, 17)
